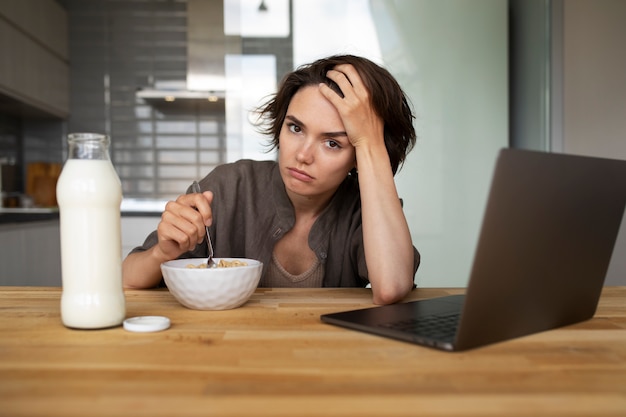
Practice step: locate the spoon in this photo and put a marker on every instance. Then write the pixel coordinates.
(210, 263)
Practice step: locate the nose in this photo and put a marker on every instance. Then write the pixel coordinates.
(305, 153)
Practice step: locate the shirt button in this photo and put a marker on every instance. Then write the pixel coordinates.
(323, 255)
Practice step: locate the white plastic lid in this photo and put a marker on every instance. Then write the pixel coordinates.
(144, 324)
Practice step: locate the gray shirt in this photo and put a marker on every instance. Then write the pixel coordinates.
(251, 212)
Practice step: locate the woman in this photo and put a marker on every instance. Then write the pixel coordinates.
(327, 213)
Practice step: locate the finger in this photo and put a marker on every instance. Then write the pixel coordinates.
(341, 80)
(183, 215)
(173, 239)
(200, 203)
(188, 220)
(350, 74)
(204, 207)
(330, 95)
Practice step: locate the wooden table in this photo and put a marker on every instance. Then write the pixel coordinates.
(274, 357)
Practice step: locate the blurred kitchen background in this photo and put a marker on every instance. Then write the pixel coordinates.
(173, 82)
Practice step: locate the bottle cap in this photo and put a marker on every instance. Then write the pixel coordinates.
(144, 324)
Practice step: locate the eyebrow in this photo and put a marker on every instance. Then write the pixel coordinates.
(330, 134)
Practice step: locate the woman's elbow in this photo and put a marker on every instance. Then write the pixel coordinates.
(389, 294)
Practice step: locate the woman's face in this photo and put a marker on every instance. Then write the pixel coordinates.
(315, 154)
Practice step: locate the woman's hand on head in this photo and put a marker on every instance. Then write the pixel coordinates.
(363, 125)
(183, 222)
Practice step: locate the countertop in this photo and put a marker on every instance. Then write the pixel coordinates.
(129, 208)
(274, 357)
(27, 215)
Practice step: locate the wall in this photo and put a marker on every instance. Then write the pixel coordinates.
(118, 47)
(594, 91)
(594, 77)
(568, 86)
(451, 58)
(530, 32)
(25, 140)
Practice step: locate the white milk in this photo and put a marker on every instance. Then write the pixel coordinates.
(89, 195)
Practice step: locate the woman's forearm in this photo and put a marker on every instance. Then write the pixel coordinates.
(141, 269)
(387, 239)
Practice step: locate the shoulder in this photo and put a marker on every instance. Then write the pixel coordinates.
(236, 179)
(244, 167)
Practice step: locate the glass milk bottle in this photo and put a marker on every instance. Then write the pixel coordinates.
(89, 194)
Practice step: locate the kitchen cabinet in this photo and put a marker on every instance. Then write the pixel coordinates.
(30, 253)
(135, 229)
(34, 67)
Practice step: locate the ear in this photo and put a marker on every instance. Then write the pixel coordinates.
(354, 171)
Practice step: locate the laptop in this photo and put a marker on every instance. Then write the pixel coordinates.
(547, 237)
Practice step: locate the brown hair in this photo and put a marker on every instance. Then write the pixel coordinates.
(388, 100)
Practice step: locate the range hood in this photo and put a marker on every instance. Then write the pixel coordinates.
(206, 48)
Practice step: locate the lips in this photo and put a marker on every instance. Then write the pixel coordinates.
(300, 175)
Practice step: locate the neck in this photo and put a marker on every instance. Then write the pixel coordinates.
(308, 206)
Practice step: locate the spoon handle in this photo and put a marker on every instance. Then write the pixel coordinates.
(196, 189)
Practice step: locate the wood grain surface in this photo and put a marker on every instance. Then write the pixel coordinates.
(273, 357)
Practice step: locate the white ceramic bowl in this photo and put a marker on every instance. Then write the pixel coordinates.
(211, 288)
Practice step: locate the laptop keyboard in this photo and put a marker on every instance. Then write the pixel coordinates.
(439, 327)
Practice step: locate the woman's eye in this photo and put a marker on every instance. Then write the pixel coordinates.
(294, 128)
(332, 144)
